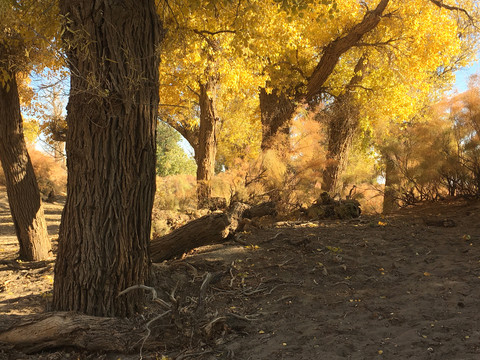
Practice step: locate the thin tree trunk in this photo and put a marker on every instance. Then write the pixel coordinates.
(111, 120)
(22, 188)
(391, 180)
(59, 152)
(341, 133)
(207, 142)
(276, 111)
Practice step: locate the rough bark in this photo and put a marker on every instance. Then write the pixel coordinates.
(276, 110)
(31, 334)
(207, 142)
(343, 119)
(341, 130)
(209, 229)
(111, 119)
(22, 188)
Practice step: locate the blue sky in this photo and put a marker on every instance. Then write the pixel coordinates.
(462, 76)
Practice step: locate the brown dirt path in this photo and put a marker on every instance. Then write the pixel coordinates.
(24, 287)
(406, 286)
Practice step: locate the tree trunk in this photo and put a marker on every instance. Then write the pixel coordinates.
(276, 111)
(391, 180)
(207, 142)
(111, 120)
(207, 230)
(342, 125)
(22, 188)
(59, 152)
(341, 130)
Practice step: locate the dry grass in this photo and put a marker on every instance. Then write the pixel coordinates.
(51, 175)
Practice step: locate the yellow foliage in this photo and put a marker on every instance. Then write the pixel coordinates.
(29, 31)
(274, 168)
(175, 192)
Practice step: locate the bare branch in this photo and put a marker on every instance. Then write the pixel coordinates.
(175, 106)
(380, 43)
(441, 5)
(213, 33)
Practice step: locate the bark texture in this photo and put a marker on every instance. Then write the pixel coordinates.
(22, 188)
(32, 334)
(343, 120)
(110, 145)
(276, 110)
(207, 142)
(209, 229)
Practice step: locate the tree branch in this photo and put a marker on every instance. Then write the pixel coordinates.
(338, 47)
(441, 5)
(292, 67)
(213, 33)
(380, 43)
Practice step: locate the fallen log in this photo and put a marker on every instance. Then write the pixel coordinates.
(263, 209)
(35, 333)
(207, 230)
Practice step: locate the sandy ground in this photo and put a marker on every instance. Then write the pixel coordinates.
(405, 286)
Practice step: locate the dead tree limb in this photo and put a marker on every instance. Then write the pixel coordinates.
(35, 333)
(209, 229)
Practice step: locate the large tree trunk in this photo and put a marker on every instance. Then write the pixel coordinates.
(276, 112)
(342, 125)
(105, 230)
(207, 142)
(22, 188)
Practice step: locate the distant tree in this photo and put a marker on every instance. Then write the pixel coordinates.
(27, 31)
(207, 70)
(171, 158)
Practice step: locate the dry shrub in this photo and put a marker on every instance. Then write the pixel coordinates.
(51, 175)
(175, 194)
(289, 175)
(370, 197)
